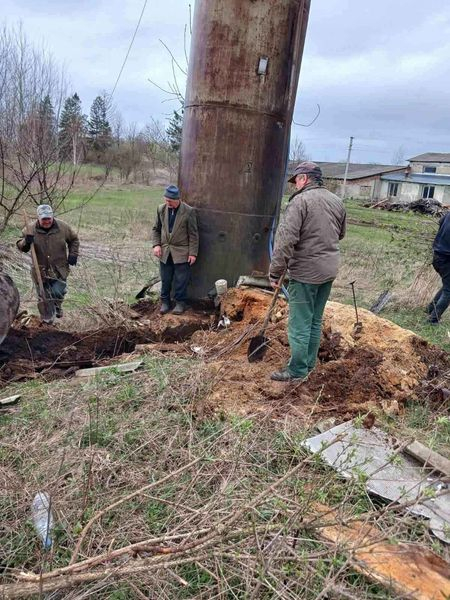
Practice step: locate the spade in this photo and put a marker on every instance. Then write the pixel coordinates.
(258, 345)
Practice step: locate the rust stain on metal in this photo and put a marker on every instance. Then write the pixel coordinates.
(236, 129)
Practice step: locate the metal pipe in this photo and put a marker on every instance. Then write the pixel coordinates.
(242, 82)
(9, 304)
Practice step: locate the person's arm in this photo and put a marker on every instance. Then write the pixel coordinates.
(24, 244)
(73, 246)
(156, 235)
(287, 237)
(193, 236)
(343, 227)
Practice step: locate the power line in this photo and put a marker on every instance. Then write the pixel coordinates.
(129, 47)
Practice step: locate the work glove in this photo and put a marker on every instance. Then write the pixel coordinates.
(29, 239)
(72, 260)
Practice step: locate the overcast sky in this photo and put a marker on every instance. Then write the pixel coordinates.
(380, 69)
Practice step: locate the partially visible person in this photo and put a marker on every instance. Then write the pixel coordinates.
(56, 246)
(441, 264)
(307, 245)
(175, 244)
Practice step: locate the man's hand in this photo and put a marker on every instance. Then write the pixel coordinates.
(191, 260)
(29, 239)
(157, 251)
(274, 283)
(72, 260)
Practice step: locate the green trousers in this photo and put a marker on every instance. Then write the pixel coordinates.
(306, 305)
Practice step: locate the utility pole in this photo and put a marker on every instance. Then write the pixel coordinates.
(344, 185)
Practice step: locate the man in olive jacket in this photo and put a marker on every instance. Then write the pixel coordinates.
(56, 246)
(175, 243)
(307, 245)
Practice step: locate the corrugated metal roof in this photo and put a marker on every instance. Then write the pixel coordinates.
(421, 178)
(333, 170)
(439, 157)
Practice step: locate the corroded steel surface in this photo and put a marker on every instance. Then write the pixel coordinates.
(9, 304)
(236, 129)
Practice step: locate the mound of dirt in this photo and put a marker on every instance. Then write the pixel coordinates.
(378, 368)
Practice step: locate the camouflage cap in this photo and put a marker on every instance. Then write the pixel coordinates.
(306, 168)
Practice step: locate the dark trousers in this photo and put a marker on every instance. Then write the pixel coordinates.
(176, 275)
(436, 308)
(54, 289)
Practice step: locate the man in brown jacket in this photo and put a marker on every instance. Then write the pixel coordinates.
(175, 243)
(307, 245)
(56, 246)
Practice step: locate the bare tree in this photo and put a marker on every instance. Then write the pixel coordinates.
(159, 149)
(398, 158)
(297, 151)
(32, 88)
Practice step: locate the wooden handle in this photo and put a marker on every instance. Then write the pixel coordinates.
(274, 300)
(34, 258)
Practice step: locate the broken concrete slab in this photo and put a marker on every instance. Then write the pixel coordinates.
(10, 401)
(391, 473)
(122, 368)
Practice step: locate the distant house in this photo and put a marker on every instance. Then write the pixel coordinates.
(427, 176)
(363, 180)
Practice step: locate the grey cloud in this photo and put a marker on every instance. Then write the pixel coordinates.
(379, 70)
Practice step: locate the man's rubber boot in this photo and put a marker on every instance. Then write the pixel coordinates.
(165, 307)
(179, 308)
(285, 376)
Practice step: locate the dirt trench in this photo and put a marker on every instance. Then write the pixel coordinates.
(41, 350)
(379, 368)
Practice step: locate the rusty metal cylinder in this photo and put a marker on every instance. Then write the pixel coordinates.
(242, 82)
(9, 304)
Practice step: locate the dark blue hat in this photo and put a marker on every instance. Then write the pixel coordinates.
(172, 192)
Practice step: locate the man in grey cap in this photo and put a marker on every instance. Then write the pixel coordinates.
(307, 245)
(175, 243)
(56, 246)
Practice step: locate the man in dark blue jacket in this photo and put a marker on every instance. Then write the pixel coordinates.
(441, 264)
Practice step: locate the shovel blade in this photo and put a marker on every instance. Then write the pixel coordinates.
(47, 310)
(141, 294)
(257, 348)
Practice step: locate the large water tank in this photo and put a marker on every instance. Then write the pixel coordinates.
(242, 82)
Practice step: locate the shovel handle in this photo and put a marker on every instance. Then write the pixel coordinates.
(34, 257)
(272, 304)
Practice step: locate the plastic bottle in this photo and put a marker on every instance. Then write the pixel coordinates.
(43, 518)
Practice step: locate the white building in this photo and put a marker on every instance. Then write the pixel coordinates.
(427, 176)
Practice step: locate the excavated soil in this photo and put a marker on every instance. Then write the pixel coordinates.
(37, 349)
(377, 368)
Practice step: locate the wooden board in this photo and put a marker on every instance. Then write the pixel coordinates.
(412, 571)
(429, 457)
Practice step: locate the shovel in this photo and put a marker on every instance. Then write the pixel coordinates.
(357, 327)
(258, 344)
(151, 283)
(46, 306)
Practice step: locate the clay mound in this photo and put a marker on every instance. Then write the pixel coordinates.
(380, 367)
